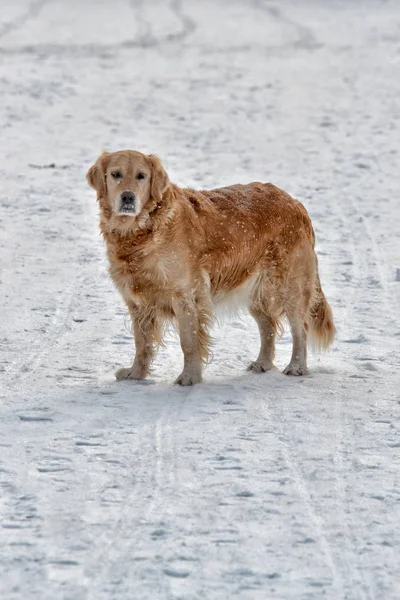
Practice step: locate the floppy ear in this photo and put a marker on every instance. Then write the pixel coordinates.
(159, 178)
(96, 177)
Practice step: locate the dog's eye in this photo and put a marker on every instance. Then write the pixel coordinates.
(116, 175)
(141, 175)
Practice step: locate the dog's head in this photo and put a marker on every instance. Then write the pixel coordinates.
(127, 182)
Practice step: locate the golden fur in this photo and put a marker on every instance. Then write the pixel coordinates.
(184, 252)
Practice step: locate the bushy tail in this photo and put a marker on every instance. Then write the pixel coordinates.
(321, 327)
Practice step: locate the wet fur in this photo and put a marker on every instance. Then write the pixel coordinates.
(189, 251)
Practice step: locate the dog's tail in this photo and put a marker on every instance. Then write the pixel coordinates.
(320, 320)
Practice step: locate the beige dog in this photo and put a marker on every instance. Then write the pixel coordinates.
(175, 254)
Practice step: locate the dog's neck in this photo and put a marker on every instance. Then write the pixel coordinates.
(136, 231)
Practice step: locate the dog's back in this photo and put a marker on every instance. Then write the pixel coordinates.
(248, 229)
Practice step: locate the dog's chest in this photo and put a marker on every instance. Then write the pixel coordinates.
(140, 278)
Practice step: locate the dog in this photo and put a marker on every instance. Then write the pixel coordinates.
(177, 254)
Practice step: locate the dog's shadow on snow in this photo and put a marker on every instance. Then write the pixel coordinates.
(104, 399)
(221, 391)
(106, 404)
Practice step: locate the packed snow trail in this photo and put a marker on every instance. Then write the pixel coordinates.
(250, 487)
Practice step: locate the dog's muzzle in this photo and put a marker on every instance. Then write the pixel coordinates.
(127, 203)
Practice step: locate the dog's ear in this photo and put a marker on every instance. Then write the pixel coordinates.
(159, 178)
(96, 176)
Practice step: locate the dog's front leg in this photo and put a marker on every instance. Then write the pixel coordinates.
(146, 332)
(188, 323)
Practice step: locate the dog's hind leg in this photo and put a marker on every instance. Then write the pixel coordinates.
(267, 328)
(298, 361)
(296, 307)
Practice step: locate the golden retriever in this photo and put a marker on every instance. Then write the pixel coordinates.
(176, 254)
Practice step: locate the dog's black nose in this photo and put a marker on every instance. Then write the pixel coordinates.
(128, 198)
(128, 202)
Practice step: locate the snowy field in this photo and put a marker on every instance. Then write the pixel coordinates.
(251, 487)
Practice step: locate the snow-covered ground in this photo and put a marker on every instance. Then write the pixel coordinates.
(250, 487)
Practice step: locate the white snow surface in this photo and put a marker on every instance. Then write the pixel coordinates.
(248, 486)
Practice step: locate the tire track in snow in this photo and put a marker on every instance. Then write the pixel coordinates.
(18, 373)
(157, 472)
(113, 550)
(344, 509)
(146, 40)
(365, 268)
(120, 544)
(361, 266)
(306, 38)
(164, 474)
(280, 425)
(33, 11)
(67, 300)
(379, 261)
(358, 263)
(188, 24)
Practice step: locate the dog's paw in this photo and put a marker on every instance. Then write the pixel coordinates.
(260, 367)
(189, 376)
(295, 369)
(129, 373)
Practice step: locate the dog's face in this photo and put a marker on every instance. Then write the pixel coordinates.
(126, 182)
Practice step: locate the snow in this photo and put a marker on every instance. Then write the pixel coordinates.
(249, 486)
